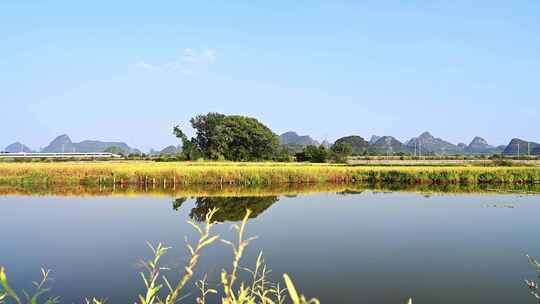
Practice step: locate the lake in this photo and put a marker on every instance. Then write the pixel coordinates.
(339, 245)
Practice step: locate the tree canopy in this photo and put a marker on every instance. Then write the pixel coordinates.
(314, 154)
(229, 137)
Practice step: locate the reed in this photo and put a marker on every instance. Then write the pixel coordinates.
(155, 175)
(258, 291)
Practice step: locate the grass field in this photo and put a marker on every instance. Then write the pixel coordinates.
(229, 173)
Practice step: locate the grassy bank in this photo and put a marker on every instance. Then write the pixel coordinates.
(196, 173)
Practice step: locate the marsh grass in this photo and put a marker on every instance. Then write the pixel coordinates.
(177, 174)
(160, 290)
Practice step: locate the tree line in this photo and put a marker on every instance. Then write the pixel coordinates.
(241, 138)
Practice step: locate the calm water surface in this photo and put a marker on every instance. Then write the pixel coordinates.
(357, 248)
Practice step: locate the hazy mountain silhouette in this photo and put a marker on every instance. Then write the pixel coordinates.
(427, 144)
(522, 147)
(374, 139)
(17, 148)
(359, 144)
(292, 138)
(480, 146)
(64, 144)
(387, 145)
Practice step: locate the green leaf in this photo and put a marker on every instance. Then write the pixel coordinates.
(7, 290)
(39, 292)
(292, 290)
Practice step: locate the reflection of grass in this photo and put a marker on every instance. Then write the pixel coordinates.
(160, 290)
(152, 174)
(263, 191)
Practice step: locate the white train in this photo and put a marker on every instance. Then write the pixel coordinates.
(59, 155)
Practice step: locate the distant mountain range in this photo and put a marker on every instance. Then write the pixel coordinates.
(64, 144)
(424, 144)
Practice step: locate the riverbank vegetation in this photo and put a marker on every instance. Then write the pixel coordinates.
(169, 174)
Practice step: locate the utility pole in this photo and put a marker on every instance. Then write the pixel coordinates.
(518, 150)
(529, 149)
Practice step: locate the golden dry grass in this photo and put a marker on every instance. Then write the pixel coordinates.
(223, 173)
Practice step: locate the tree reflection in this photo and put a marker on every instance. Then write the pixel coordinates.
(229, 208)
(177, 203)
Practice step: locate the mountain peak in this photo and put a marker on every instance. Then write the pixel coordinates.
(426, 135)
(63, 138)
(478, 141)
(518, 146)
(17, 147)
(387, 144)
(480, 146)
(292, 138)
(374, 139)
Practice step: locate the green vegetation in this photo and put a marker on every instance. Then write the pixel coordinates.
(160, 290)
(313, 154)
(150, 174)
(231, 208)
(233, 137)
(264, 191)
(340, 151)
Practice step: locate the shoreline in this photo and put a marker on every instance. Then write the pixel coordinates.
(173, 174)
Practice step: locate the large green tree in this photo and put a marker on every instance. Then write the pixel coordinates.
(231, 137)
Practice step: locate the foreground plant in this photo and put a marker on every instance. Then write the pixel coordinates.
(259, 291)
(533, 285)
(8, 293)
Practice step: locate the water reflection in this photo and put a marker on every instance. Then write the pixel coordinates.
(289, 190)
(229, 208)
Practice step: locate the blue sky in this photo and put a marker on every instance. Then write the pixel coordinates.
(130, 70)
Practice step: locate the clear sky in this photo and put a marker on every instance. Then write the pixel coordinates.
(130, 70)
